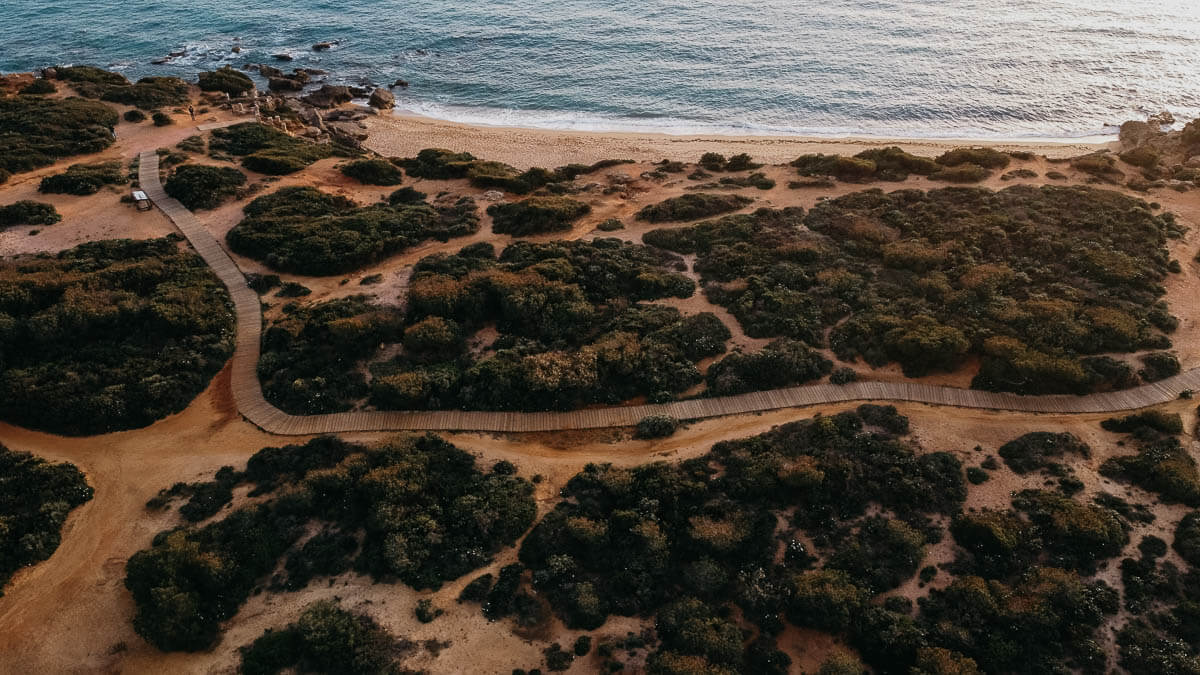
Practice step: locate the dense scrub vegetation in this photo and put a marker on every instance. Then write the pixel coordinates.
(440, 164)
(198, 186)
(36, 132)
(226, 79)
(35, 499)
(84, 179)
(108, 335)
(1037, 282)
(692, 206)
(536, 215)
(570, 331)
(325, 639)
(148, 93)
(414, 509)
(373, 172)
(962, 165)
(305, 231)
(267, 150)
(28, 212)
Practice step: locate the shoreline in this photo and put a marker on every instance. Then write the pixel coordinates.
(405, 134)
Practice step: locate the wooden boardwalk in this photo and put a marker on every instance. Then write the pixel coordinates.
(247, 390)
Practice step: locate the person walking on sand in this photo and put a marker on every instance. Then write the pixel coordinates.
(192, 112)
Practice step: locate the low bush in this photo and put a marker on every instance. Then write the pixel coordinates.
(692, 206)
(84, 179)
(610, 225)
(1167, 423)
(35, 499)
(161, 119)
(848, 169)
(656, 426)
(1158, 366)
(373, 172)
(36, 132)
(406, 195)
(981, 157)
(267, 150)
(89, 75)
(134, 116)
(108, 335)
(1187, 538)
(149, 93)
(28, 212)
(199, 186)
(881, 555)
(1162, 466)
(226, 79)
(894, 164)
(1018, 173)
(536, 215)
(783, 363)
(195, 144)
(961, 173)
(325, 639)
(305, 231)
(1035, 451)
(39, 87)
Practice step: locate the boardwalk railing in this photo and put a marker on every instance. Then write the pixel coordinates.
(248, 395)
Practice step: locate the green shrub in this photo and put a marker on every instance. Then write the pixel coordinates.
(881, 555)
(134, 116)
(961, 173)
(425, 611)
(848, 169)
(149, 93)
(610, 225)
(692, 206)
(325, 639)
(1158, 365)
(438, 164)
(1018, 173)
(407, 489)
(405, 196)
(536, 215)
(84, 179)
(28, 212)
(656, 426)
(305, 231)
(476, 591)
(195, 144)
(783, 363)
(1167, 423)
(976, 475)
(161, 119)
(226, 79)
(1187, 538)
(981, 157)
(267, 150)
(36, 132)
(1034, 451)
(741, 162)
(38, 87)
(109, 335)
(35, 499)
(198, 186)
(1161, 465)
(373, 172)
(895, 164)
(262, 283)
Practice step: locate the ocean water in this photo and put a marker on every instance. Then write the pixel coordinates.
(914, 68)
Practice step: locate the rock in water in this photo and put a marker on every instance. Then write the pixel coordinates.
(403, 84)
(284, 84)
(269, 71)
(382, 99)
(322, 46)
(282, 57)
(328, 96)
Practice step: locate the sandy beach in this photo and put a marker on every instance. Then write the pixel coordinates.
(404, 135)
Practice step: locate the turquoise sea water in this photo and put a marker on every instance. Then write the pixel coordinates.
(948, 68)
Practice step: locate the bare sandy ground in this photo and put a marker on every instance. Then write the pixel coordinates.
(403, 135)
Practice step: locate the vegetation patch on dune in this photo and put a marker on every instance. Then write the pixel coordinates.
(373, 172)
(35, 499)
(226, 79)
(1040, 283)
(692, 206)
(414, 509)
(148, 93)
(198, 186)
(305, 231)
(108, 335)
(84, 179)
(267, 150)
(36, 132)
(536, 215)
(441, 164)
(28, 212)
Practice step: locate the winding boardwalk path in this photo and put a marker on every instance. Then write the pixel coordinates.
(248, 395)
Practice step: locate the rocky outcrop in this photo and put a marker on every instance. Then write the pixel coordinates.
(401, 84)
(282, 57)
(1133, 133)
(322, 46)
(382, 99)
(328, 96)
(269, 71)
(284, 84)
